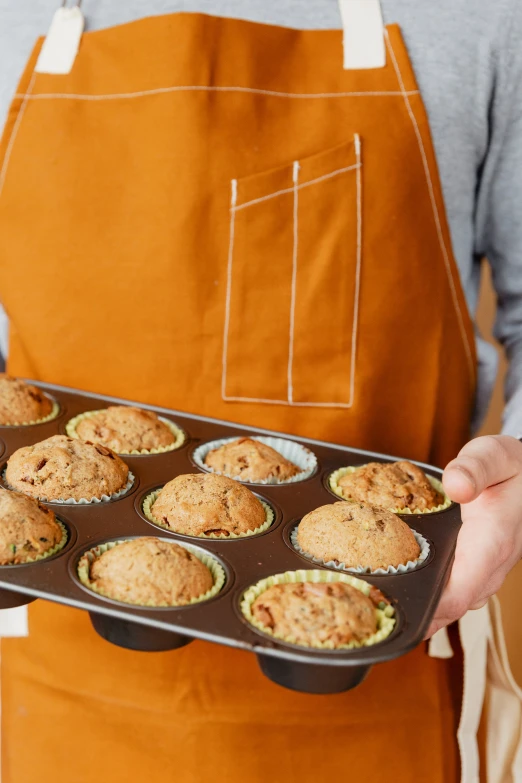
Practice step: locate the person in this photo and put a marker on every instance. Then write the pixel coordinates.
(225, 212)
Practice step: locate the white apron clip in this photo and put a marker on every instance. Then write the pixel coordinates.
(61, 45)
(363, 34)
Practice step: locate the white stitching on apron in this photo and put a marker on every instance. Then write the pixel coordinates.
(294, 282)
(233, 201)
(298, 187)
(435, 210)
(233, 209)
(14, 133)
(206, 88)
(357, 267)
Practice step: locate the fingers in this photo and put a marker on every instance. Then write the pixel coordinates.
(482, 463)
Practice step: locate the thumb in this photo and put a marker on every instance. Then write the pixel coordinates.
(482, 463)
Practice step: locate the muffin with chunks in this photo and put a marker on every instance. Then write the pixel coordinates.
(125, 429)
(64, 468)
(150, 572)
(250, 460)
(28, 530)
(357, 534)
(204, 504)
(317, 613)
(394, 485)
(21, 402)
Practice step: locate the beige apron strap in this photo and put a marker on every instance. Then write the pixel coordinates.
(439, 645)
(363, 34)
(474, 629)
(13, 622)
(504, 709)
(61, 45)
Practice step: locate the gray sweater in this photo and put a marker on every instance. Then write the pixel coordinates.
(467, 56)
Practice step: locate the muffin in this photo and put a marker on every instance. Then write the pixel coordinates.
(125, 429)
(199, 505)
(150, 572)
(20, 402)
(357, 534)
(395, 485)
(27, 530)
(317, 613)
(250, 460)
(63, 468)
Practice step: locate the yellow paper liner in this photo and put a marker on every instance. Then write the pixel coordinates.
(435, 483)
(88, 557)
(178, 433)
(83, 501)
(385, 613)
(151, 498)
(56, 548)
(50, 416)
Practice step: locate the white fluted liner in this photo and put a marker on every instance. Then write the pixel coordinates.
(411, 565)
(291, 450)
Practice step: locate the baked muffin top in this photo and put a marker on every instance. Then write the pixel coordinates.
(200, 504)
(20, 402)
(124, 429)
(357, 534)
(250, 460)
(63, 468)
(391, 485)
(27, 529)
(150, 571)
(315, 613)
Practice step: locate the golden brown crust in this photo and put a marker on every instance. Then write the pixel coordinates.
(27, 529)
(20, 402)
(391, 485)
(199, 504)
(357, 534)
(250, 460)
(63, 468)
(151, 571)
(124, 429)
(316, 613)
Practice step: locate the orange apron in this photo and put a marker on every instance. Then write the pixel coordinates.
(213, 215)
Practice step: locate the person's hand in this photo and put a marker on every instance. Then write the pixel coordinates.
(486, 478)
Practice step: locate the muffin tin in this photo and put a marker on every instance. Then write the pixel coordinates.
(414, 595)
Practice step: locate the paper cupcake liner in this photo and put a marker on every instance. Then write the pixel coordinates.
(178, 433)
(86, 560)
(56, 548)
(435, 483)
(82, 501)
(385, 613)
(411, 565)
(151, 498)
(50, 416)
(292, 451)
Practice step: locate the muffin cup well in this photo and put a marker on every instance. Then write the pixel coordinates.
(56, 548)
(88, 558)
(334, 477)
(294, 452)
(50, 416)
(82, 501)
(385, 613)
(151, 498)
(411, 565)
(178, 433)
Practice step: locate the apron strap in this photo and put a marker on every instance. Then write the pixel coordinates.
(61, 45)
(363, 34)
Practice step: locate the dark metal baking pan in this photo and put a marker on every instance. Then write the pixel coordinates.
(415, 595)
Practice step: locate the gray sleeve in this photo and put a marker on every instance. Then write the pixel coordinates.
(499, 212)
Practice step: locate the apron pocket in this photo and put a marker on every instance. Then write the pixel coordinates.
(293, 282)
